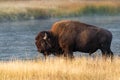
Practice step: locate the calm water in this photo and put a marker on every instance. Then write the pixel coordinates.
(17, 38)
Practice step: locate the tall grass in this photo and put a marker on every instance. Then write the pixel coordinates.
(24, 10)
(61, 69)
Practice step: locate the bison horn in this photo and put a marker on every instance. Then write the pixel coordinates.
(45, 37)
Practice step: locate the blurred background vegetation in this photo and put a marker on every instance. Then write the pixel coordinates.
(16, 10)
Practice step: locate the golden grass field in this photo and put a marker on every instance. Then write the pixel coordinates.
(24, 10)
(84, 68)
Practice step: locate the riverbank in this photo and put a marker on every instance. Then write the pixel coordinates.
(30, 10)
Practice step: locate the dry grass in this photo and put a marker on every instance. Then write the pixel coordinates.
(23, 10)
(60, 69)
(53, 4)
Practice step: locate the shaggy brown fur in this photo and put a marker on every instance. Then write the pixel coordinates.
(66, 37)
(76, 36)
(47, 46)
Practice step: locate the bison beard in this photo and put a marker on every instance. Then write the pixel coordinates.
(71, 36)
(47, 45)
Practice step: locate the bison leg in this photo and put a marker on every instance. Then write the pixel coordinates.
(104, 56)
(68, 54)
(45, 55)
(107, 53)
(90, 53)
(67, 48)
(110, 54)
(59, 53)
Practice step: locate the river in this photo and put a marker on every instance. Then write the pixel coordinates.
(17, 38)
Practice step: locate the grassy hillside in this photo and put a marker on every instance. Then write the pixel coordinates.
(25, 10)
(60, 69)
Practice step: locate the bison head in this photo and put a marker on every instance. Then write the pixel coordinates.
(44, 42)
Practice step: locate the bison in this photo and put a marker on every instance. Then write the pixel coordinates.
(68, 36)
